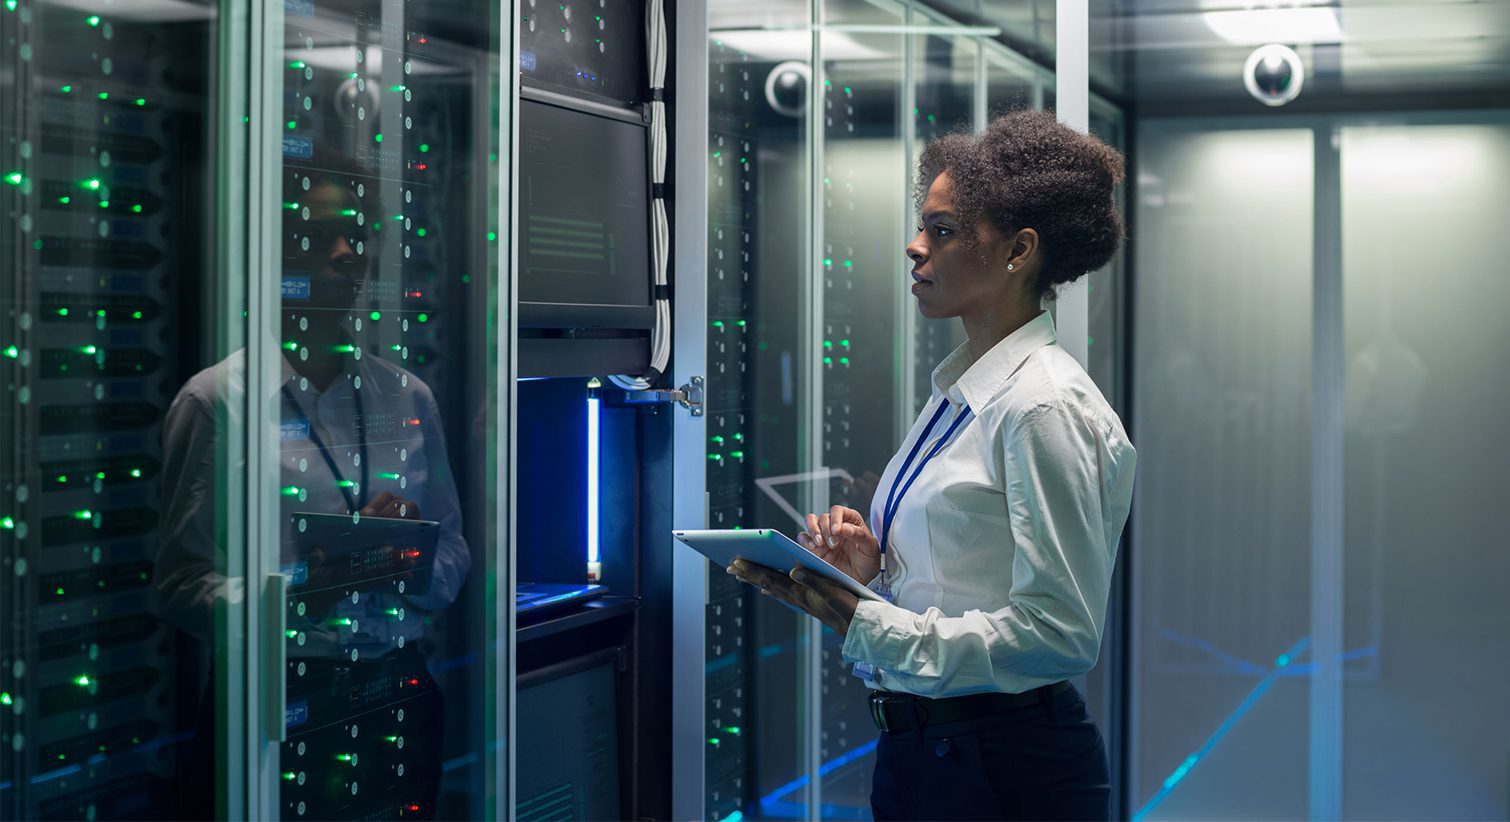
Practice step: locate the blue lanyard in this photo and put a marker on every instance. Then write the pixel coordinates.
(353, 504)
(898, 488)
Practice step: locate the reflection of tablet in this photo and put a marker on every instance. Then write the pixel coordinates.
(769, 548)
(344, 549)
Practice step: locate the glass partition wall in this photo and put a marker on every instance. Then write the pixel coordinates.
(817, 359)
(250, 325)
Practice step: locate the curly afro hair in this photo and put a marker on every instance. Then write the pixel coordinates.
(1029, 171)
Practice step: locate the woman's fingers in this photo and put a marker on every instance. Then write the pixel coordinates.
(837, 516)
(812, 528)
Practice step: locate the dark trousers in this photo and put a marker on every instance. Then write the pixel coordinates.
(1044, 761)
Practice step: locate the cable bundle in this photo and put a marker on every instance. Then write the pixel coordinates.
(660, 224)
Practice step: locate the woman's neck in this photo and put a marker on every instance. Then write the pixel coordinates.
(985, 328)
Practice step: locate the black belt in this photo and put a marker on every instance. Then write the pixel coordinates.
(902, 712)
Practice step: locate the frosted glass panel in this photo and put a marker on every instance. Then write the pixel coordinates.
(1427, 726)
(1222, 425)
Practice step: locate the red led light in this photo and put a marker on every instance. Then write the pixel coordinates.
(412, 554)
(422, 40)
(413, 681)
(422, 166)
(414, 808)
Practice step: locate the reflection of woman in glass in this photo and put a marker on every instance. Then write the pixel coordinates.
(994, 530)
(359, 435)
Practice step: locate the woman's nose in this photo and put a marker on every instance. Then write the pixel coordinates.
(916, 252)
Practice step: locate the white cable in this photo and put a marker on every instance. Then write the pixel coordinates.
(660, 224)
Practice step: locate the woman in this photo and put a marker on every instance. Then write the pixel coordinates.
(994, 530)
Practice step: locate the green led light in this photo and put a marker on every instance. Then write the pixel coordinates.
(345, 483)
(62, 312)
(398, 216)
(5, 698)
(289, 490)
(827, 83)
(844, 360)
(15, 178)
(290, 346)
(391, 738)
(10, 5)
(739, 455)
(100, 475)
(828, 360)
(292, 124)
(59, 592)
(88, 349)
(65, 200)
(742, 323)
(66, 89)
(352, 75)
(377, 138)
(738, 437)
(376, 315)
(104, 204)
(396, 88)
(136, 473)
(104, 95)
(420, 232)
(290, 775)
(85, 514)
(94, 20)
(396, 347)
(828, 261)
(343, 757)
(348, 212)
(136, 209)
(718, 457)
(717, 439)
(1283, 660)
(844, 343)
(141, 101)
(492, 235)
(931, 118)
(828, 343)
(387, 475)
(712, 740)
(62, 478)
(424, 318)
(341, 621)
(391, 612)
(732, 729)
(424, 148)
(93, 184)
(346, 348)
(82, 680)
(718, 323)
(136, 315)
(290, 633)
(849, 263)
(297, 64)
(848, 90)
(291, 206)
(717, 153)
(12, 351)
(7, 523)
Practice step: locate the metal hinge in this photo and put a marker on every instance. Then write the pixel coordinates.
(689, 396)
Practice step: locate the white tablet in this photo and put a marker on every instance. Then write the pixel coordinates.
(769, 548)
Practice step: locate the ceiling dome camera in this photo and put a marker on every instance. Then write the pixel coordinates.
(1274, 74)
(786, 88)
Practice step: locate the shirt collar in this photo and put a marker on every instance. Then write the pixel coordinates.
(974, 382)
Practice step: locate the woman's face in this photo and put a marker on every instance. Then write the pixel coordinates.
(950, 280)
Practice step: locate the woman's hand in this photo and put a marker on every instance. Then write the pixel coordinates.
(842, 539)
(812, 592)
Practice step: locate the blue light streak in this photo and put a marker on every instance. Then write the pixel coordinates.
(773, 799)
(1227, 725)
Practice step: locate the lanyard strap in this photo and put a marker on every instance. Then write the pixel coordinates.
(898, 487)
(352, 503)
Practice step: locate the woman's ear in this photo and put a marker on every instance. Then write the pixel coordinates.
(1023, 250)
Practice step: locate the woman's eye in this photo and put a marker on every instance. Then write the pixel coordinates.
(942, 231)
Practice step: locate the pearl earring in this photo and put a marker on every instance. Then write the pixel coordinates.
(1009, 266)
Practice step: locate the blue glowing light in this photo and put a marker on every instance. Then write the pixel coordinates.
(593, 408)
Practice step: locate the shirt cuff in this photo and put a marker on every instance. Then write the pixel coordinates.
(869, 630)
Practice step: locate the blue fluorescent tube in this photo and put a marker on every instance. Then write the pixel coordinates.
(594, 567)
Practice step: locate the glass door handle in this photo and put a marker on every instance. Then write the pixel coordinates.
(277, 653)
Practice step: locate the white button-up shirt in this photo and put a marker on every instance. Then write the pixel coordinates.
(1000, 554)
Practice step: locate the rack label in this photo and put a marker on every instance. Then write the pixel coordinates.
(303, 8)
(295, 287)
(301, 148)
(296, 714)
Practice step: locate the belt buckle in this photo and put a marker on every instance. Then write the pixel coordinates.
(878, 711)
